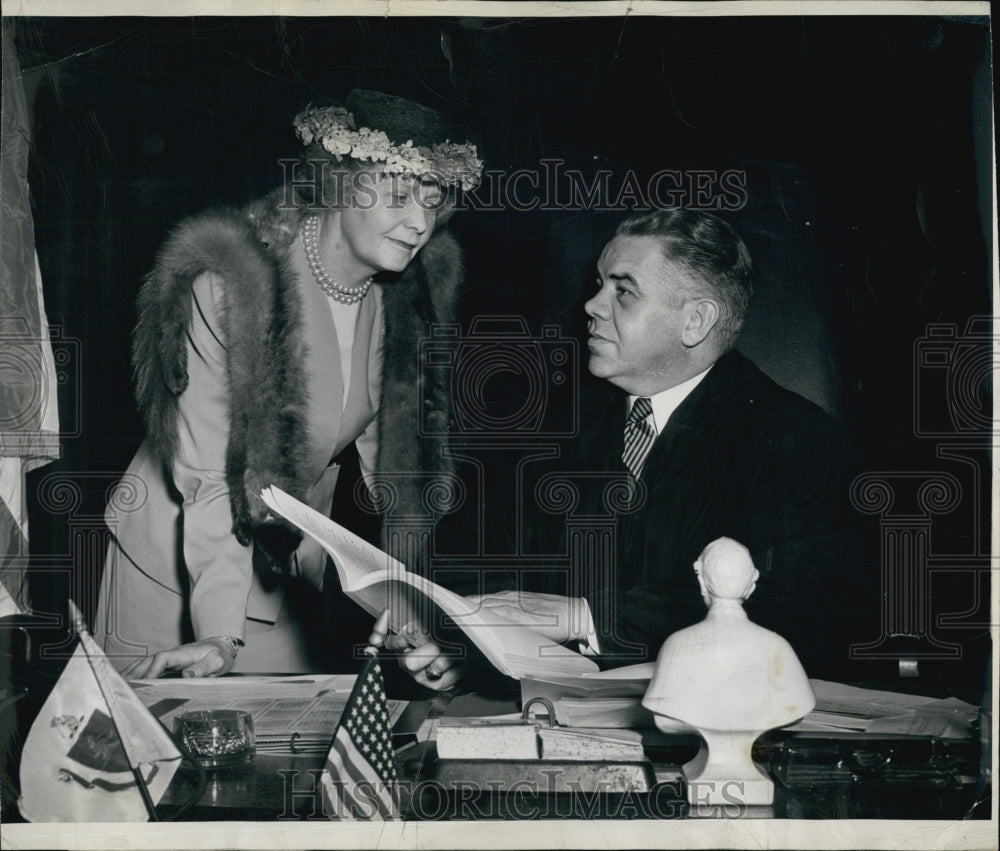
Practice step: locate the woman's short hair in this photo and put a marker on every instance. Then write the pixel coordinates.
(711, 251)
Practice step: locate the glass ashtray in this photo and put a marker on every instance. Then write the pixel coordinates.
(217, 737)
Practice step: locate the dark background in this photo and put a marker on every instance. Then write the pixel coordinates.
(865, 142)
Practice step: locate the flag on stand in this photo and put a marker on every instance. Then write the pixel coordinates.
(359, 778)
(94, 753)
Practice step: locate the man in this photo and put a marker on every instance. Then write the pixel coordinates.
(713, 448)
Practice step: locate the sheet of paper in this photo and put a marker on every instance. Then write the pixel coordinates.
(863, 702)
(831, 721)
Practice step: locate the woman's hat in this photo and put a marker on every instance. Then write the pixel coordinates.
(398, 135)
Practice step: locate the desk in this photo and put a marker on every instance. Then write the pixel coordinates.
(288, 787)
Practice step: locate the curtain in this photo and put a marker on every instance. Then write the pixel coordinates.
(29, 419)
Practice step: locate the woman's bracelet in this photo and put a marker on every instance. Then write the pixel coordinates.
(234, 644)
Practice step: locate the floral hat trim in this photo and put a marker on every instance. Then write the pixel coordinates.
(333, 127)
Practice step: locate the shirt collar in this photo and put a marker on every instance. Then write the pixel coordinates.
(667, 401)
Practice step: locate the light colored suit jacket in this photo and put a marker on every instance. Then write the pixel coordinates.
(173, 526)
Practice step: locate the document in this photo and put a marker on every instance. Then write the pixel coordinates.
(845, 707)
(376, 581)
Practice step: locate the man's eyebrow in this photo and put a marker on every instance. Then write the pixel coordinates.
(623, 276)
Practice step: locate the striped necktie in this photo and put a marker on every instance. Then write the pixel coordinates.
(639, 436)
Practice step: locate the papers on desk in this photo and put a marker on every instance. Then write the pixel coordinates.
(608, 699)
(613, 699)
(842, 707)
(294, 714)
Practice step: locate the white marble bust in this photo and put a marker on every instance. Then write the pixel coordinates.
(728, 676)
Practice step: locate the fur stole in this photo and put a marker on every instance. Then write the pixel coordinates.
(261, 317)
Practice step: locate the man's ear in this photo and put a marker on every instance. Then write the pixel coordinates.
(752, 584)
(702, 316)
(701, 583)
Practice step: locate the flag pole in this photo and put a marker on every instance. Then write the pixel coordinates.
(81, 629)
(141, 786)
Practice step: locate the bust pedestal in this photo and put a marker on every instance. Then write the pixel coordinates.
(722, 772)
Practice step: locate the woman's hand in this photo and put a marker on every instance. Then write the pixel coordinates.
(561, 619)
(210, 657)
(422, 658)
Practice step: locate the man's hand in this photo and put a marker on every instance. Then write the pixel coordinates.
(422, 658)
(210, 657)
(561, 619)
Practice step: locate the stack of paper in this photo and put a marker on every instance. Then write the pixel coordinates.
(841, 707)
(610, 699)
(609, 712)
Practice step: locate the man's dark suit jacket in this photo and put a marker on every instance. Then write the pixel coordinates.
(744, 458)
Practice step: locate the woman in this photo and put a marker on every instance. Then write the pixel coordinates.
(268, 340)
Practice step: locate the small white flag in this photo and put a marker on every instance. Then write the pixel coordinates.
(90, 741)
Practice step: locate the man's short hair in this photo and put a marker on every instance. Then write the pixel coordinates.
(726, 568)
(711, 251)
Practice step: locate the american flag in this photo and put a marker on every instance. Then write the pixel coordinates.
(359, 779)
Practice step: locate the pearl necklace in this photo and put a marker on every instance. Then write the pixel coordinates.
(310, 242)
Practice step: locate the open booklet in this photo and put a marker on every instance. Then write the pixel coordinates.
(376, 581)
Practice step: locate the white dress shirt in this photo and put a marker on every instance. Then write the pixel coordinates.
(667, 401)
